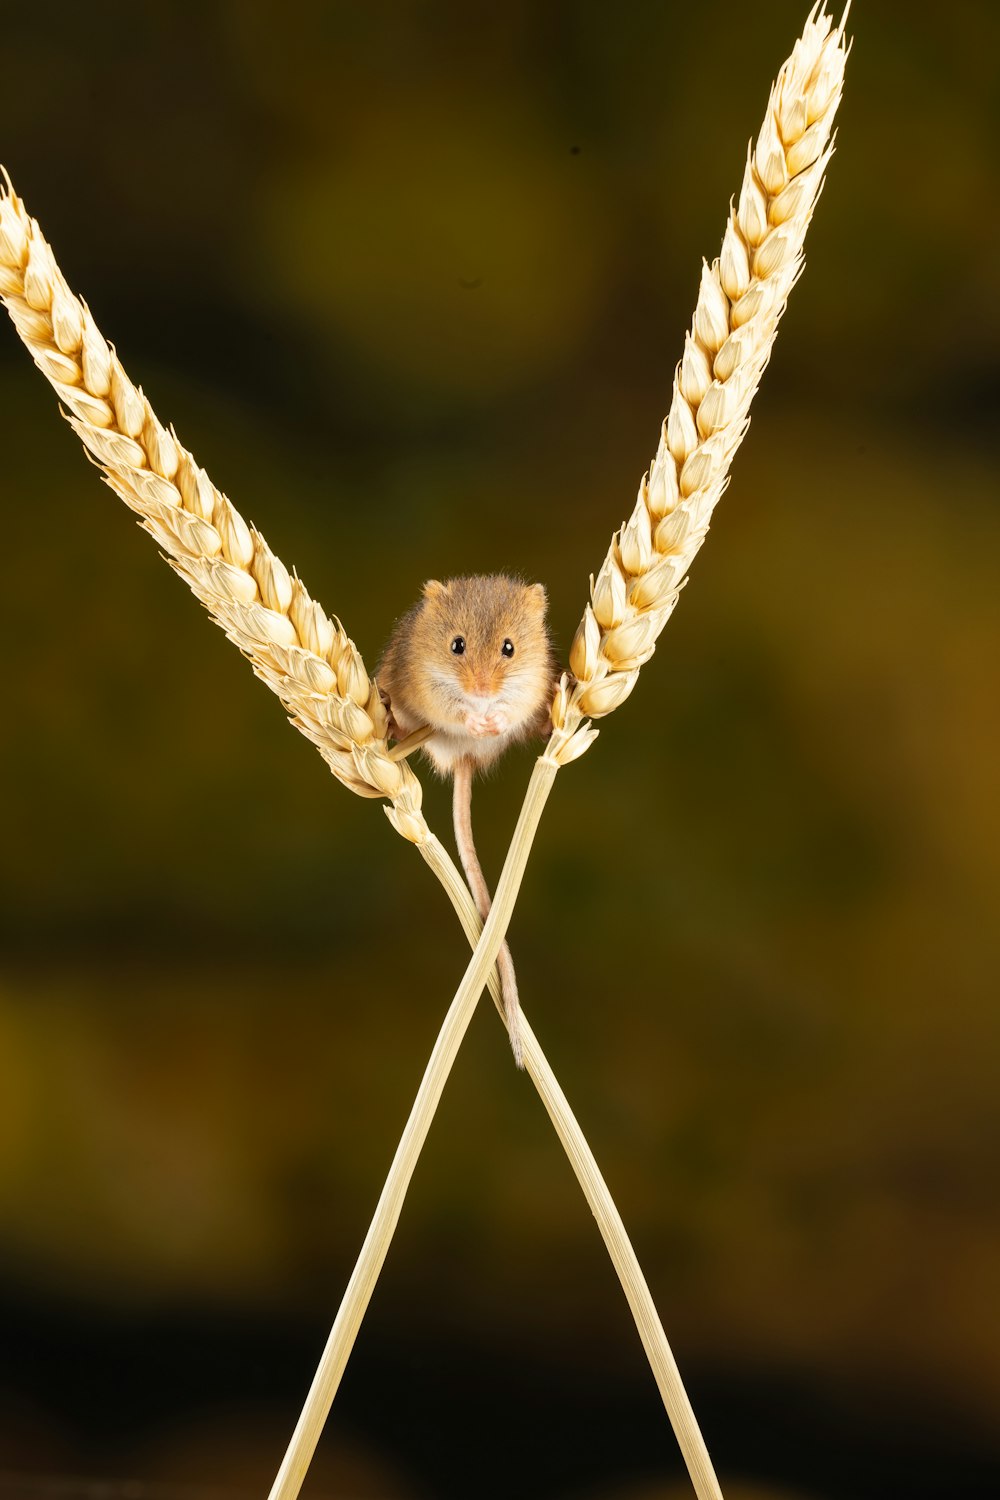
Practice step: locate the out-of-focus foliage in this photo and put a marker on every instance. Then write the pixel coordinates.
(411, 282)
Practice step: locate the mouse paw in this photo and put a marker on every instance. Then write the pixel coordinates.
(478, 725)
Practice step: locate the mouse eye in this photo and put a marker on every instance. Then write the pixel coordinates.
(507, 649)
(458, 645)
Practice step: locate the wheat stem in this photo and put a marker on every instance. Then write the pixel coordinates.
(307, 659)
(574, 1143)
(599, 1199)
(376, 1245)
(741, 299)
(303, 655)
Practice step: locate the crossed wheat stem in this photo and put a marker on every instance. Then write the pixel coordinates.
(307, 659)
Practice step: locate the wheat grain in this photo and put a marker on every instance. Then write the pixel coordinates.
(302, 654)
(741, 299)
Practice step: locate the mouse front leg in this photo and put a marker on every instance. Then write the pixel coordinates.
(481, 725)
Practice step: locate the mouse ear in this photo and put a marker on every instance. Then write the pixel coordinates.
(433, 589)
(538, 590)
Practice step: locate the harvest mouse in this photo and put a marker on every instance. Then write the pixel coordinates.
(473, 662)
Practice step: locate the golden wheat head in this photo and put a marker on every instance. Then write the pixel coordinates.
(742, 296)
(292, 644)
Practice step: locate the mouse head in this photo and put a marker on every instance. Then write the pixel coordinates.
(483, 644)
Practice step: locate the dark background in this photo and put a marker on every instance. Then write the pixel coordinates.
(411, 281)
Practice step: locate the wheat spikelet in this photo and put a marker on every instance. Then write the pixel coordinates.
(302, 654)
(742, 296)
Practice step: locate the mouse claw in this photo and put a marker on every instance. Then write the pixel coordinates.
(478, 725)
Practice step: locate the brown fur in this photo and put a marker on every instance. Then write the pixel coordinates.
(426, 683)
(478, 703)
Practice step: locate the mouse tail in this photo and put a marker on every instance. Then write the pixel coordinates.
(462, 814)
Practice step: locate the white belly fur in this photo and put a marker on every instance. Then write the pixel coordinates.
(446, 746)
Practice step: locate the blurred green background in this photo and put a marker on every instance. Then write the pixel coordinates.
(411, 281)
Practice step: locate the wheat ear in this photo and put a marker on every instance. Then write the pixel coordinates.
(292, 644)
(741, 299)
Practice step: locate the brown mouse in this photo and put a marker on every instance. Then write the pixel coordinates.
(473, 662)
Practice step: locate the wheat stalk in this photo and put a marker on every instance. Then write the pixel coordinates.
(271, 618)
(486, 941)
(599, 1200)
(317, 672)
(376, 1246)
(292, 644)
(742, 296)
